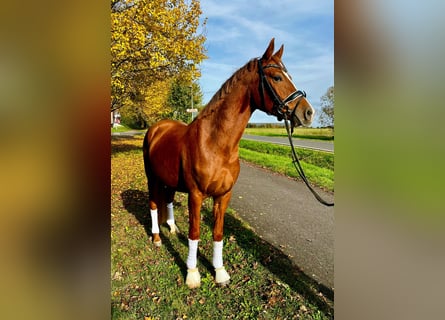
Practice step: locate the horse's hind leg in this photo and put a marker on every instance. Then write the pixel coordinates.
(170, 215)
(154, 199)
(155, 227)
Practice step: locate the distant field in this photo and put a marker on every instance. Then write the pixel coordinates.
(305, 133)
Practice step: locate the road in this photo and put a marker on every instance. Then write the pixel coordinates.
(304, 143)
(285, 213)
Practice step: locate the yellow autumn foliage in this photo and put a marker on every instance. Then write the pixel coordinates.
(152, 42)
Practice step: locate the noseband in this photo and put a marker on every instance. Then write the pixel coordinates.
(280, 108)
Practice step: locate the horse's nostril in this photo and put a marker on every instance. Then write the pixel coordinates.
(309, 112)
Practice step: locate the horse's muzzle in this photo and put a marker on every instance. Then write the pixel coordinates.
(303, 114)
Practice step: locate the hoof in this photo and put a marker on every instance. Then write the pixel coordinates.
(157, 240)
(193, 279)
(173, 228)
(223, 284)
(222, 278)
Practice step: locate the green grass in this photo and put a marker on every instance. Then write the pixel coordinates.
(317, 165)
(121, 128)
(148, 283)
(300, 132)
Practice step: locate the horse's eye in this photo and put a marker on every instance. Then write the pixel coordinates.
(277, 78)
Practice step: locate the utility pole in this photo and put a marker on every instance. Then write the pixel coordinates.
(192, 110)
(191, 95)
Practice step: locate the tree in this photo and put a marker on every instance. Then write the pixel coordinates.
(152, 41)
(327, 108)
(149, 108)
(179, 99)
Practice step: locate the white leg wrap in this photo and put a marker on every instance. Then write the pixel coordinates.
(171, 218)
(154, 221)
(170, 215)
(221, 275)
(217, 254)
(193, 252)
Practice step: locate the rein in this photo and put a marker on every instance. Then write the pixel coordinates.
(299, 169)
(282, 112)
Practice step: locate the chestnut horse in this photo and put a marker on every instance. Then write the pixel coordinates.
(201, 158)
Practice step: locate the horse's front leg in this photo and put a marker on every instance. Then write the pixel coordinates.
(193, 279)
(219, 208)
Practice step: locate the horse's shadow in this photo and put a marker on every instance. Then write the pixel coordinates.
(136, 202)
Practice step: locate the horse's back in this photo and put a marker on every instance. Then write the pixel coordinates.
(163, 132)
(164, 127)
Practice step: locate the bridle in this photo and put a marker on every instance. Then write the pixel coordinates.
(280, 107)
(281, 110)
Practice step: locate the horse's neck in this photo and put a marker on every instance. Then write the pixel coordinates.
(226, 119)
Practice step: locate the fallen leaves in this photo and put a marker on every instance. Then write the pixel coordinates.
(303, 308)
(117, 276)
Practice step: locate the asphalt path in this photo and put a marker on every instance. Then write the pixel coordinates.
(286, 214)
(327, 146)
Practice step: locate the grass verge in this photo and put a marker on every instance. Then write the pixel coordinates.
(148, 283)
(120, 128)
(317, 165)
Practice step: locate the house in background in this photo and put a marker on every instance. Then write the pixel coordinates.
(115, 119)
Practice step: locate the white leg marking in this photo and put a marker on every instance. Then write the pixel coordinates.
(222, 278)
(193, 279)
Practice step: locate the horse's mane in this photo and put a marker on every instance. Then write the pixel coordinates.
(227, 87)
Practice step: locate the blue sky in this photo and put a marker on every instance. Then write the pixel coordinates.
(238, 31)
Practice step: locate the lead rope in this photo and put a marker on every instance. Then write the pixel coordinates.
(299, 169)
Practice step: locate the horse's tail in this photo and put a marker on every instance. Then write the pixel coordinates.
(145, 152)
(157, 191)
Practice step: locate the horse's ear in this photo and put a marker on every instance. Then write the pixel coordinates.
(269, 50)
(279, 53)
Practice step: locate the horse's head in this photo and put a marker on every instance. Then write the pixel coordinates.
(278, 94)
